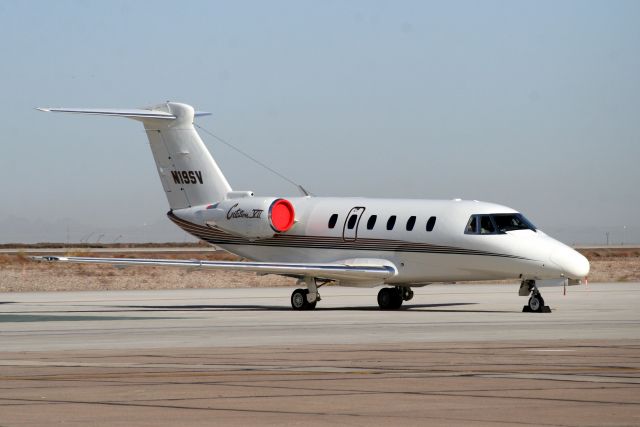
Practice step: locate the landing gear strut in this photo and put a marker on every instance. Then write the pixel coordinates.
(391, 298)
(536, 302)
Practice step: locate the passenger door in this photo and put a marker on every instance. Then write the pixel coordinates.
(351, 223)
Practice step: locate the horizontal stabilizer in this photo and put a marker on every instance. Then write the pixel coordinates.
(177, 148)
(121, 112)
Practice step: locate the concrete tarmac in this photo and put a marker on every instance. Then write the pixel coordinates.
(455, 355)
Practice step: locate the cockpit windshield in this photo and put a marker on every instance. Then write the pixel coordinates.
(509, 222)
(497, 223)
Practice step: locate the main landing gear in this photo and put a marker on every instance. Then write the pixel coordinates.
(536, 302)
(299, 300)
(306, 299)
(392, 298)
(388, 298)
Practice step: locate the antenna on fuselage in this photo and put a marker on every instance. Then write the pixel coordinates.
(299, 187)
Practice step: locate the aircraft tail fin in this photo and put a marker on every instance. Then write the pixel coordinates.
(189, 174)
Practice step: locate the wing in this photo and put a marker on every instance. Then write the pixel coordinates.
(355, 272)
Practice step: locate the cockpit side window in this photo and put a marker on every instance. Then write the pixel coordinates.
(472, 225)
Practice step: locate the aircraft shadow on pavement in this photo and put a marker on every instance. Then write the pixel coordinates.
(420, 308)
(254, 307)
(209, 307)
(37, 318)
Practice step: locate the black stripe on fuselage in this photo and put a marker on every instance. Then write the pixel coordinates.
(218, 237)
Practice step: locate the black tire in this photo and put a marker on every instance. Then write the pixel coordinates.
(536, 303)
(397, 298)
(299, 299)
(389, 299)
(384, 299)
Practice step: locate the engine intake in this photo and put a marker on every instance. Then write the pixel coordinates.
(281, 215)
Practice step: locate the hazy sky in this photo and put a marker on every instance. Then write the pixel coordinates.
(535, 105)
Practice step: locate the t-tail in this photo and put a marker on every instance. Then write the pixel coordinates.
(189, 174)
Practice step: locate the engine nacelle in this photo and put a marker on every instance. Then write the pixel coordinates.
(252, 217)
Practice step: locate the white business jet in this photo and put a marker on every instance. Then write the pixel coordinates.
(395, 243)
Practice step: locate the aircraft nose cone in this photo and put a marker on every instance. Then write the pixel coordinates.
(572, 263)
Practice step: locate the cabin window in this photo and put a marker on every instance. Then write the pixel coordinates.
(352, 221)
(333, 220)
(371, 222)
(391, 222)
(411, 222)
(431, 223)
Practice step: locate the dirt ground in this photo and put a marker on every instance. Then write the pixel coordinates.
(613, 265)
(19, 274)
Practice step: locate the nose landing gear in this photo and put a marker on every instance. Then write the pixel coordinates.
(536, 302)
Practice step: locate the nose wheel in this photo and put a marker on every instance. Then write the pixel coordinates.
(536, 302)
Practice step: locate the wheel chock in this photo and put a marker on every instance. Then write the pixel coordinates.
(545, 309)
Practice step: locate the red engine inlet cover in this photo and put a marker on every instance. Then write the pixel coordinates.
(281, 215)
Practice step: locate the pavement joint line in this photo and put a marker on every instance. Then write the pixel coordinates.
(338, 414)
